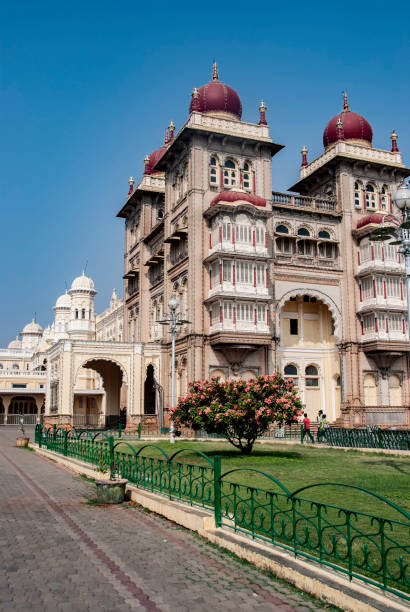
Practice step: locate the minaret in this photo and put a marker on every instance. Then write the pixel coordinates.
(394, 147)
(304, 152)
(81, 325)
(195, 100)
(131, 184)
(262, 114)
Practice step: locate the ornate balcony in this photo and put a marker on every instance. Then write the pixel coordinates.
(288, 200)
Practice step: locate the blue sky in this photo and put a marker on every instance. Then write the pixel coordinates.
(87, 89)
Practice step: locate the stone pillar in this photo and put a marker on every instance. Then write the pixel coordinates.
(6, 404)
(39, 402)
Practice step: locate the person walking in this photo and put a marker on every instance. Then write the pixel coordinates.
(321, 432)
(306, 428)
(319, 420)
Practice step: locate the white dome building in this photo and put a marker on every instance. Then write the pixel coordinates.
(81, 325)
(15, 345)
(62, 313)
(31, 335)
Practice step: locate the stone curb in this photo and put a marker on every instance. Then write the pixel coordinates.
(326, 584)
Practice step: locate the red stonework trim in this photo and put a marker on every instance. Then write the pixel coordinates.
(254, 277)
(222, 179)
(374, 288)
(360, 292)
(253, 238)
(361, 325)
(391, 204)
(220, 274)
(231, 196)
(240, 179)
(220, 234)
(234, 314)
(387, 324)
(210, 278)
(210, 318)
(267, 278)
(364, 200)
(233, 235)
(267, 316)
(233, 274)
(376, 327)
(384, 289)
(382, 253)
(220, 314)
(372, 250)
(210, 240)
(118, 574)
(404, 328)
(401, 290)
(266, 240)
(255, 315)
(254, 182)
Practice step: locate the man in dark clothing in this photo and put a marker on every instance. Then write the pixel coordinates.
(306, 428)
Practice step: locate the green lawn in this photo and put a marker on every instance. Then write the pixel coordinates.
(297, 466)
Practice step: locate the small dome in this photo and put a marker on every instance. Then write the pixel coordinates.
(64, 301)
(15, 344)
(154, 159)
(216, 96)
(238, 196)
(373, 218)
(32, 328)
(347, 126)
(82, 282)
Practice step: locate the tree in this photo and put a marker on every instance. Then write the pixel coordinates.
(240, 410)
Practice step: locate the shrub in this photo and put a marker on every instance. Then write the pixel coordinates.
(240, 410)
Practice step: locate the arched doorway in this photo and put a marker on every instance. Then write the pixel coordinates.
(103, 408)
(23, 405)
(149, 391)
(395, 394)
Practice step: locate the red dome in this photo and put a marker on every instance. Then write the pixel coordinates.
(352, 126)
(373, 218)
(217, 97)
(238, 196)
(154, 159)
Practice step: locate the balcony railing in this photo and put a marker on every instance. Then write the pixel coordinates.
(297, 201)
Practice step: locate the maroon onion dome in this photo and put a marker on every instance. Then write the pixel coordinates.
(238, 196)
(217, 97)
(154, 159)
(347, 126)
(373, 218)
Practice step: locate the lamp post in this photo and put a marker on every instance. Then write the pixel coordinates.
(401, 232)
(173, 319)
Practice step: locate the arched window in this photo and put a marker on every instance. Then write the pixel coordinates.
(302, 231)
(311, 376)
(246, 176)
(16, 366)
(370, 196)
(213, 178)
(83, 313)
(370, 390)
(383, 197)
(357, 189)
(324, 234)
(282, 229)
(395, 396)
(291, 371)
(230, 174)
(76, 313)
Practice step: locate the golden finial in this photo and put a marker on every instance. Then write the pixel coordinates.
(345, 102)
(262, 106)
(195, 93)
(215, 72)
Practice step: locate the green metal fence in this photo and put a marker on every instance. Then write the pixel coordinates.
(370, 547)
(388, 439)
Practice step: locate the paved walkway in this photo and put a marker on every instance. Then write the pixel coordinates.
(59, 553)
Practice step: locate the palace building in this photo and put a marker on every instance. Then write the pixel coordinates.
(268, 281)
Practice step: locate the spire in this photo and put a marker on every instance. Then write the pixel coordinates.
(131, 184)
(195, 100)
(166, 138)
(394, 147)
(171, 128)
(345, 102)
(146, 162)
(215, 76)
(262, 113)
(304, 152)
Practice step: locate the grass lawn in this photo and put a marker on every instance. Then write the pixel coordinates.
(297, 466)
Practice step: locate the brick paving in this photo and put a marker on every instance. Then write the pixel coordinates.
(59, 553)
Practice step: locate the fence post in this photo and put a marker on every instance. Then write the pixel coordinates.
(119, 429)
(139, 431)
(301, 434)
(379, 438)
(217, 490)
(54, 432)
(40, 435)
(111, 449)
(65, 443)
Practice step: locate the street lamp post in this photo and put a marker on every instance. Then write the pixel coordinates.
(401, 233)
(173, 319)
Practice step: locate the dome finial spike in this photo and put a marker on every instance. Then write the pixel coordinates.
(394, 147)
(345, 102)
(215, 76)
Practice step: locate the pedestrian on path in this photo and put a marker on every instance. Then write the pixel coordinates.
(306, 428)
(321, 432)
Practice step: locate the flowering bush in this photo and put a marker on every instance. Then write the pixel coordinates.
(240, 410)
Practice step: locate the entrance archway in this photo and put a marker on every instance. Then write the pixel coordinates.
(108, 407)
(149, 391)
(23, 405)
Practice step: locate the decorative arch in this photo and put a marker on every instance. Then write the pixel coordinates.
(100, 358)
(337, 318)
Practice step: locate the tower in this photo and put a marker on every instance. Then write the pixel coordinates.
(81, 325)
